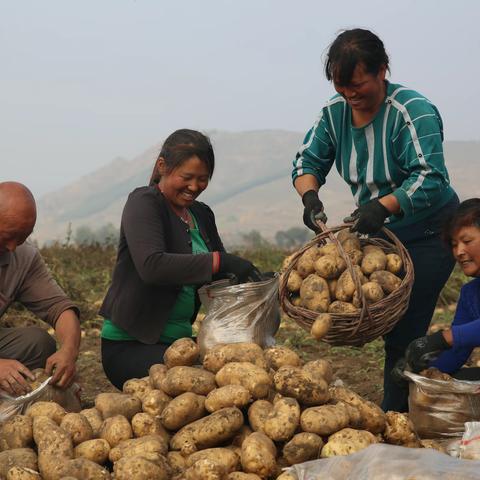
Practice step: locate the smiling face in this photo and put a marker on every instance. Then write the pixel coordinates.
(466, 249)
(365, 91)
(185, 183)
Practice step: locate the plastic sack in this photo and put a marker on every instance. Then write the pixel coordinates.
(248, 312)
(389, 462)
(440, 408)
(470, 443)
(68, 398)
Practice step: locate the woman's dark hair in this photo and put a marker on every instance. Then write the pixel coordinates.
(350, 48)
(467, 214)
(182, 145)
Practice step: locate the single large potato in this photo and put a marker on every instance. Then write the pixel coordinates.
(345, 287)
(19, 457)
(50, 438)
(48, 409)
(156, 374)
(347, 441)
(22, 473)
(282, 422)
(279, 356)
(112, 404)
(210, 431)
(394, 263)
(259, 455)
(387, 280)
(139, 468)
(305, 263)
(182, 352)
(94, 418)
(145, 424)
(220, 355)
(205, 469)
(155, 401)
(373, 261)
(303, 447)
(137, 387)
(179, 380)
(258, 413)
(294, 281)
(325, 419)
(95, 450)
(150, 444)
(16, 432)
(327, 267)
(399, 430)
(321, 368)
(223, 456)
(321, 326)
(116, 429)
(227, 396)
(255, 379)
(183, 409)
(315, 294)
(78, 427)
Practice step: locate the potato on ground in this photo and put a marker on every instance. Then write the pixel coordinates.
(209, 431)
(94, 418)
(346, 287)
(155, 401)
(156, 374)
(305, 263)
(259, 455)
(146, 424)
(137, 387)
(112, 404)
(205, 469)
(50, 438)
(95, 450)
(279, 356)
(387, 280)
(223, 456)
(227, 396)
(321, 368)
(306, 387)
(138, 468)
(282, 422)
(183, 409)
(347, 441)
(294, 281)
(78, 427)
(143, 446)
(48, 409)
(302, 447)
(373, 261)
(394, 263)
(182, 352)
(22, 473)
(220, 355)
(116, 429)
(399, 430)
(321, 326)
(325, 419)
(179, 380)
(19, 457)
(255, 379)
(315, 293)
(16, 432)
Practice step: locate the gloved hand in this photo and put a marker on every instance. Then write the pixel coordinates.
(238, 266)
(397, 373)
(369, 217)
(313, 210)
(423, 350)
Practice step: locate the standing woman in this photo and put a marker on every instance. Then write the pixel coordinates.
(169, 247)
(386, 142)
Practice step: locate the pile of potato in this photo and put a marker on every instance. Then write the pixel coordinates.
(321, 282)
(244, 415)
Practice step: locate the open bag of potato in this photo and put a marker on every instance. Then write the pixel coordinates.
(245, 413)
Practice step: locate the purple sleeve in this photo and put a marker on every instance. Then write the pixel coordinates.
(465, 329)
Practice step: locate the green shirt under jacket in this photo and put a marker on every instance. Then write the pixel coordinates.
(400, 152)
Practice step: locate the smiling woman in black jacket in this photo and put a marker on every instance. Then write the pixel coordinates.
(169, 247)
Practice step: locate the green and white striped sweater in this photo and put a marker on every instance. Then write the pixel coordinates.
(400, 151)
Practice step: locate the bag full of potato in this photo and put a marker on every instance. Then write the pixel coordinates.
(439, 407)
(248, 312)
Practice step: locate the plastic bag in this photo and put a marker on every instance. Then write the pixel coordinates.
(68, 398)
(389, 462)
(440, 408)
(470, 443)
(248, 312)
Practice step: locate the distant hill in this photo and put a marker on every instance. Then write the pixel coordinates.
(250, 190)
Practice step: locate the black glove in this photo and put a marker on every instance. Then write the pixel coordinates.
(397, 374)
(243, 269)
(368, 218)
(423, 350)
(313, 210)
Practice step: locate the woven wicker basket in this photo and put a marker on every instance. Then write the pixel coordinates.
(371, 321)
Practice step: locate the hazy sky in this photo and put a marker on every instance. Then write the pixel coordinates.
(85, 81)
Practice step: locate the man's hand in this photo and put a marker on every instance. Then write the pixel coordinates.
(62, 365)
(369, 217)
(422, 351)
(12, 377)
(313, 210)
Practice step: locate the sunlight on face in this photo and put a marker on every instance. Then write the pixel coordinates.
(466, 249)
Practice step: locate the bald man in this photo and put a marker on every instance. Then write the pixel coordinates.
(25, 278)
